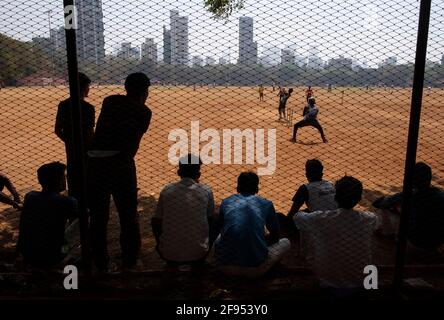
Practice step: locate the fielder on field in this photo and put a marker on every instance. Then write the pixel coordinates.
(283, 97)
(309, 93)
(310, 119)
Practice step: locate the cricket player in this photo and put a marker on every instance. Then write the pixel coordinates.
(261, 93)
(310, 119)
(309, 93)
(283, 98)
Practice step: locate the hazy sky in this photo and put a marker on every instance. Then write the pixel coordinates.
(368, 30)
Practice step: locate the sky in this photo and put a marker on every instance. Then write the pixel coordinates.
(366, 30)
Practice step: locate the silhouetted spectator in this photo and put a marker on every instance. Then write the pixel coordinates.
(44, 217)
(342, 239)
(242, 249)
(426, 220)
(112, 170)
(63, 129)
(317, 194)
(15, 202)
(184, 216)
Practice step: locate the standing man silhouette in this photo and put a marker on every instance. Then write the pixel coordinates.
(112, 171)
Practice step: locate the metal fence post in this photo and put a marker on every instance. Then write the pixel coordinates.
(412, 143)
(78, 159)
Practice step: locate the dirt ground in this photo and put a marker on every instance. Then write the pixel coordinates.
(367, 133)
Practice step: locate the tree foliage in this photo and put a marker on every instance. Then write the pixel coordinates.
(222, 9)
(19, 59)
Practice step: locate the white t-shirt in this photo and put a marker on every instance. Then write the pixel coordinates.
(343, 241)
(321, 196)
(184, 208)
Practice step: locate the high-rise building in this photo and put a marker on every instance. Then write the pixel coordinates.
(287, 57)
(247, 46)
(271, 56)
(210, 61)
(166, 45)
(58, 39)
(197, 61)
(149, 50)
(341, 62)
(179, 38)
(45, 44)
(390, 61)
(300, 61)
(90, 33)
(314, 61)
(128, 52)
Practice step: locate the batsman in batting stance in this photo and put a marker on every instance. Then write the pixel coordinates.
(310, 119)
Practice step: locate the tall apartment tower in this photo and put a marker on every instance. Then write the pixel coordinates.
(179, 38)
(90, 33)
(166, 45)
(149, 50)
(247, 46)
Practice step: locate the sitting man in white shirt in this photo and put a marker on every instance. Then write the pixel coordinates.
(342, 239)
(184, 216)
(318, 195)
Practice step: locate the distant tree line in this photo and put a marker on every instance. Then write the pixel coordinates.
(19, 59)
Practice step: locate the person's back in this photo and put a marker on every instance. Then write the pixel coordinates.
(311, 110)
(321, 195)
(63, 125)
(121, 125)
(342, 238)
(43, 219)
(242, 241)
(184, 207)
(427, 218)
(64, 121)
(317, 194)
(284, 97)
(42, 227)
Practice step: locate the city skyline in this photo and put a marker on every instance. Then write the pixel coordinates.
(90, 33)
(369, 31)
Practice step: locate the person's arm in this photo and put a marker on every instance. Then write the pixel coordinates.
(23, 236)
(58, 128)
(304, 220)
(15, 202)
(156, 221)
(299, 199)
(313, 112)
(90, 128)
(211, 217)
(146, 120)
(272, 225)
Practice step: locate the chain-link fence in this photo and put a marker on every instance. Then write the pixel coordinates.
(314, 97)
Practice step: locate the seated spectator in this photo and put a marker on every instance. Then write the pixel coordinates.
(15, 202)
(342, 238)
(184, 216)
(241, 248)
(317, 195)
(44, 217)
(426, 220)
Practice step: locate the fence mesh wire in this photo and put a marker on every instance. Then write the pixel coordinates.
(355, 62)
